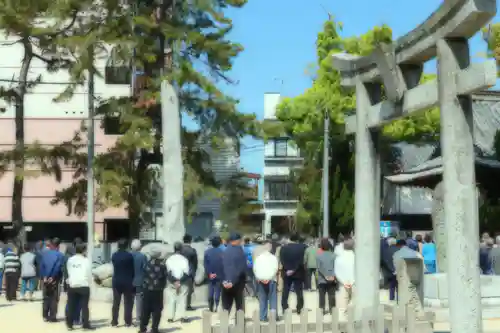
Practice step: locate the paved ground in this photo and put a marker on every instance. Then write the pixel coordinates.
(26, 317)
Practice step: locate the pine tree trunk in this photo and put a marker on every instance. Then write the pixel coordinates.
(19, 163)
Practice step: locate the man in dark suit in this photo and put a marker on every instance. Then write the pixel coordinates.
(123, 277)
(192, 257)
(294, 273)
(215, 271)
(388, 268)
(234, 267)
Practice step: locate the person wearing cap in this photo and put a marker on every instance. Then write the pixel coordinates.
(235, 267)
(265, 269)
(212, 262)
(154, 282)
(178, 275)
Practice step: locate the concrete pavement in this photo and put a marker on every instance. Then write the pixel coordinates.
(25, 317)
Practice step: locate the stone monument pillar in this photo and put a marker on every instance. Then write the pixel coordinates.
(172, 228)
(438, 225)
(410, 276)
(461, 207)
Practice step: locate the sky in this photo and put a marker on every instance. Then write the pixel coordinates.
(279, 39)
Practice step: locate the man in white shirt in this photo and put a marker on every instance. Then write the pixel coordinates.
(79, 280)
(265, 268)
(344, 273)
(178, 274)
(340, 245)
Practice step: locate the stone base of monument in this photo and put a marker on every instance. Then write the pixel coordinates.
(436, 296)
(106, 295)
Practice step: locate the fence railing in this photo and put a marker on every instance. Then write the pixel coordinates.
(388, 319)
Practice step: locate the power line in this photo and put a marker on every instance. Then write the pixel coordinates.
(34, 81)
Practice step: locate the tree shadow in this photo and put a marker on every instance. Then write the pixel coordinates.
(6, 305)
(98, 323)
(170, 329)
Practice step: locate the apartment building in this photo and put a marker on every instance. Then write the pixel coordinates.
(280, 157)
(51, 123)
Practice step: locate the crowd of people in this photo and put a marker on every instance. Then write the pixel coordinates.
(263, 267)
(234, 268)
(137, 278)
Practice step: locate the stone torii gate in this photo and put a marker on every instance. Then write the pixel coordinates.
(396, 70)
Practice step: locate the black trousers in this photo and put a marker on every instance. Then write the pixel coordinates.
(78, 298)
(50, 300)
(11, 283)
(324, 289)
(298, 287)
(310, 273)
(152, 307)
(234, 295)
(190, 285)
(128, 302)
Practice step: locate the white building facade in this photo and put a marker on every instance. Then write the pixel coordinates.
(280, 157)
(51, 123)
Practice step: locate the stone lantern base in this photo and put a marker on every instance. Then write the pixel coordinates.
(436, 296)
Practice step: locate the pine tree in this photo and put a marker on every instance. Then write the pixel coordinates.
(42, 29)
(199, 59)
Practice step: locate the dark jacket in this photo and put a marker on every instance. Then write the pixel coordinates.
(192, 256)
(213, 262)
(140, 262)
(292, 259)
(485, 262)
(123, 269)
(387, 261)
(234, 263)
(51, 264)
(155, 275)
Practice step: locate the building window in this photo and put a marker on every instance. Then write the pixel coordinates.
(281, 147)
(112, 126)
(280, 190)
(117, 75)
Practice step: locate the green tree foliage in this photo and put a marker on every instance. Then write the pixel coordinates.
(202, 55)
(303, 118)
(49, 42)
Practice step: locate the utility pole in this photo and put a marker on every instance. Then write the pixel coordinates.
(326, 182)
(90, 159)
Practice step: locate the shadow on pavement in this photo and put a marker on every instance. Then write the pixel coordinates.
(193, 318)
(5, 305)
(100, 323)
(170, 329)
